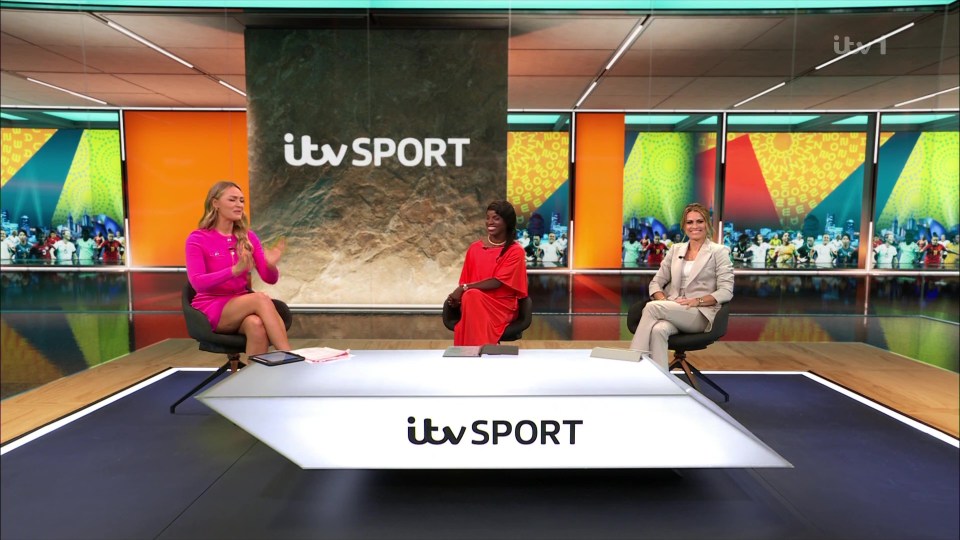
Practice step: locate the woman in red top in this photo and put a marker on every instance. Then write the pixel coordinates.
(655, 252)
(493, 279)
(111, 249)
(932, 252)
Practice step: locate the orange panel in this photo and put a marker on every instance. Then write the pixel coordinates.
(599, 190)
(173, 158)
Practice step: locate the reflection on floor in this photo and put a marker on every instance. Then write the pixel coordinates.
(56, 324)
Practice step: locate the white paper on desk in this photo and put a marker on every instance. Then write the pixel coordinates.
(322, 354)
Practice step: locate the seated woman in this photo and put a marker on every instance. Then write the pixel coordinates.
(694, 279)
(220, 255)
(493, 279)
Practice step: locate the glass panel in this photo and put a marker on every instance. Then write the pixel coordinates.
(793, 190)
(669, 162)
(918, 186)
(62, 192)
(538, 184)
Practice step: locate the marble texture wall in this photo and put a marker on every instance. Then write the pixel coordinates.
(362, 234)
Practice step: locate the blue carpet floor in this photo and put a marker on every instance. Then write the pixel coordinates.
(131, 470)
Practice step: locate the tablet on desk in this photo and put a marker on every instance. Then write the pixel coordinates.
(276, 358)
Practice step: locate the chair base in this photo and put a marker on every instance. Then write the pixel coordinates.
(233, 364)
(692, 373)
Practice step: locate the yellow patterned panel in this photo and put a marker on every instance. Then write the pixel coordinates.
(537, 165)
(802, 169)
(94, 182)
(19, 145)
(929, 185)
(22, 363)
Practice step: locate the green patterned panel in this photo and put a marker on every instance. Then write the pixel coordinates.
(101, 337)
(929, 185)
(658, 176)
(94, 184)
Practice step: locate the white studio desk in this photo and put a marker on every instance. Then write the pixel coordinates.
(542, 409)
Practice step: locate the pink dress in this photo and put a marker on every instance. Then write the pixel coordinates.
(486, 314)
(210, 260)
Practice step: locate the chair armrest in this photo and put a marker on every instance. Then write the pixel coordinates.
(634, 315)
(451, 315)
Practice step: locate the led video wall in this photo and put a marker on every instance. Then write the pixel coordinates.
(662, 173)
(794, 189)
(918, 186)
(63, 189)
(538, 186)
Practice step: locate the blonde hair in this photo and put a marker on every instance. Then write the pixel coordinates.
(702, 210)
(240, 227)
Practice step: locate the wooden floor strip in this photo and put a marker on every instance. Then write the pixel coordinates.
(921, 391)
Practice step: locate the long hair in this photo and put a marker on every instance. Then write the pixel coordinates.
(702, 210)
(509, 216)
(210, 214)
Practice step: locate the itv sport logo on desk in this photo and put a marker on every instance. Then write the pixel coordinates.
(525, 432)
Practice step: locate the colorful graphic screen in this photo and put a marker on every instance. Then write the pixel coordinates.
(918, 186)
(538, 186)
(662, 173)
(785, 188)
(61, 185)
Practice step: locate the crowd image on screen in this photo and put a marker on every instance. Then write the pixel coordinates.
(545, 244)
(85, 243)
(920, 244)
(784, 249)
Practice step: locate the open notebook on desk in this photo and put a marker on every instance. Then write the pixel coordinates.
(477, 350)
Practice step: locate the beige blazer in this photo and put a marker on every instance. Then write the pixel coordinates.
(712, 275)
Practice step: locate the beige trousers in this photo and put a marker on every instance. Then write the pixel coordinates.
(662, 319)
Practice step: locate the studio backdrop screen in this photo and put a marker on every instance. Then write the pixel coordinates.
(59, 181)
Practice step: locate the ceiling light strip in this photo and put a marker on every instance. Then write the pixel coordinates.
(626, 44)
(585, 94)
(71, 92)
(767, 91)
(722, 143)
(876, 146)
(928, 96)
(573, 147)
(864, 46)
(148, 43)
(232, 87)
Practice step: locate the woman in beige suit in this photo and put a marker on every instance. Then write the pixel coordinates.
(695, 277)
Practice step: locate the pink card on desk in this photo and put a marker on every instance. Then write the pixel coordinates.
(323, 354)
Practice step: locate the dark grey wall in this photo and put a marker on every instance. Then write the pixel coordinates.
(391, 234)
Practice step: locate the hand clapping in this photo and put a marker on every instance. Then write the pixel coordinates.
(272, 255)
(244, 261)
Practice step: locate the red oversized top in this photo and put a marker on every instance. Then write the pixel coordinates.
(486, 314)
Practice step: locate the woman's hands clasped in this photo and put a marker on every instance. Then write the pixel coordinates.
(244, 261)
(454, 298)
(689, 302)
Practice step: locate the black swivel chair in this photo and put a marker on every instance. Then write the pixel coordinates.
(514, 330)
(231, 345)
(681, 343)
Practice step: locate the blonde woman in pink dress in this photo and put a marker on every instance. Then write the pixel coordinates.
(220, 255)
